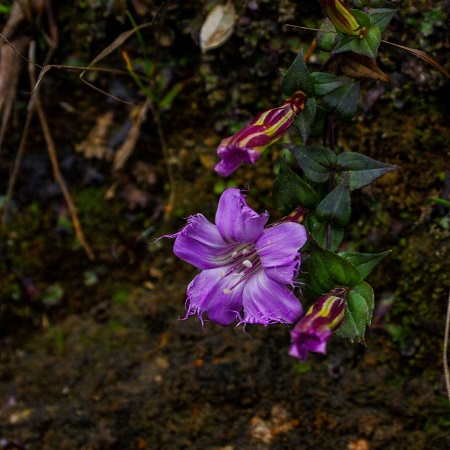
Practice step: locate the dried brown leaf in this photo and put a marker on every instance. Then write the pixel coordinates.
(10, 66)
(218, 26)
(360, 66)
(422, 55)
(137, 116)
(96, 144)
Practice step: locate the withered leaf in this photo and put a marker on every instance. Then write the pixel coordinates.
(218, 26)
(354, 65)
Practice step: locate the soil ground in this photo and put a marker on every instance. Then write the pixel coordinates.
(96, 354)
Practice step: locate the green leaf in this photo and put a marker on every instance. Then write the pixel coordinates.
(364, 262)
(290, 191)
(326, 82)
(363, 170)
(297, 78)
(319, 231)
(326, 270)
(336, 206)
(167, 100)
(441, 201)
(327, 37)
(358, 313)
(339, 94)
(319, 123)
(381, 14)
(53, 295)
(367, 45)
(305, 119)
(316, 162)
(362, 18)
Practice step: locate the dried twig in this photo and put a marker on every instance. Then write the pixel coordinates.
(445, 351)
(17, 162)
(54, 161)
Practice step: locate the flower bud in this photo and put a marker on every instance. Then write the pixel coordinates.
(342, 18)
(312, 332)
(248, 144)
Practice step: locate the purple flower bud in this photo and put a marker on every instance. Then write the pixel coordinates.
(248, 144)
(312, 332)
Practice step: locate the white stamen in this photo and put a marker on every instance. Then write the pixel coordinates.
(222, 274)
(227, 291)
(234, 254)
(247, 263)
(246, 251)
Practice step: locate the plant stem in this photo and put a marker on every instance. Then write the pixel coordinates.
(328, 138)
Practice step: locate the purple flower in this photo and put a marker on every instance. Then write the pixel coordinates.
(312, 332)
(246, 268)
(248, 144)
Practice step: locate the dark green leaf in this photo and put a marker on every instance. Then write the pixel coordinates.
(335, 207)
(327, 37)
(319, 123)
(362, 18)
(316, 162)
(359, 3)
(381, 14)
(367, 45)
(297, 78)
(326, 82)
(363, 170)
(358, 314)
(326, 270)
(305, 119)
(319, 231)
(340, 94)
(290, 191)
(364, 262)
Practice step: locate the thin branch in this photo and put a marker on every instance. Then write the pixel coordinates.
(55, 166)
(17, 162)
(445, 351)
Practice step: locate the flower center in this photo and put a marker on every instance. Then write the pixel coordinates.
(245, 263)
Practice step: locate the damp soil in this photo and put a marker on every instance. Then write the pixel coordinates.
(97, 354)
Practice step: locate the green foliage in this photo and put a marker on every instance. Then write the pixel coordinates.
(324, 233)
(339, 95)
(362, 169)
(326, 270)
(297, 78)
(333, 176)
(316, 162)
(358, 313)
(367, 45)
(5, 9)
(381, 13)
(335, 208)
(364, 262)
(290, 191)
(327, 38)
(305, 121)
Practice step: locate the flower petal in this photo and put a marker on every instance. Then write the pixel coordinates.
(210, 292)
(199, 243)
(267, 301)
(233, 156)
(304, 342)
(236, 221)
(278, 249)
